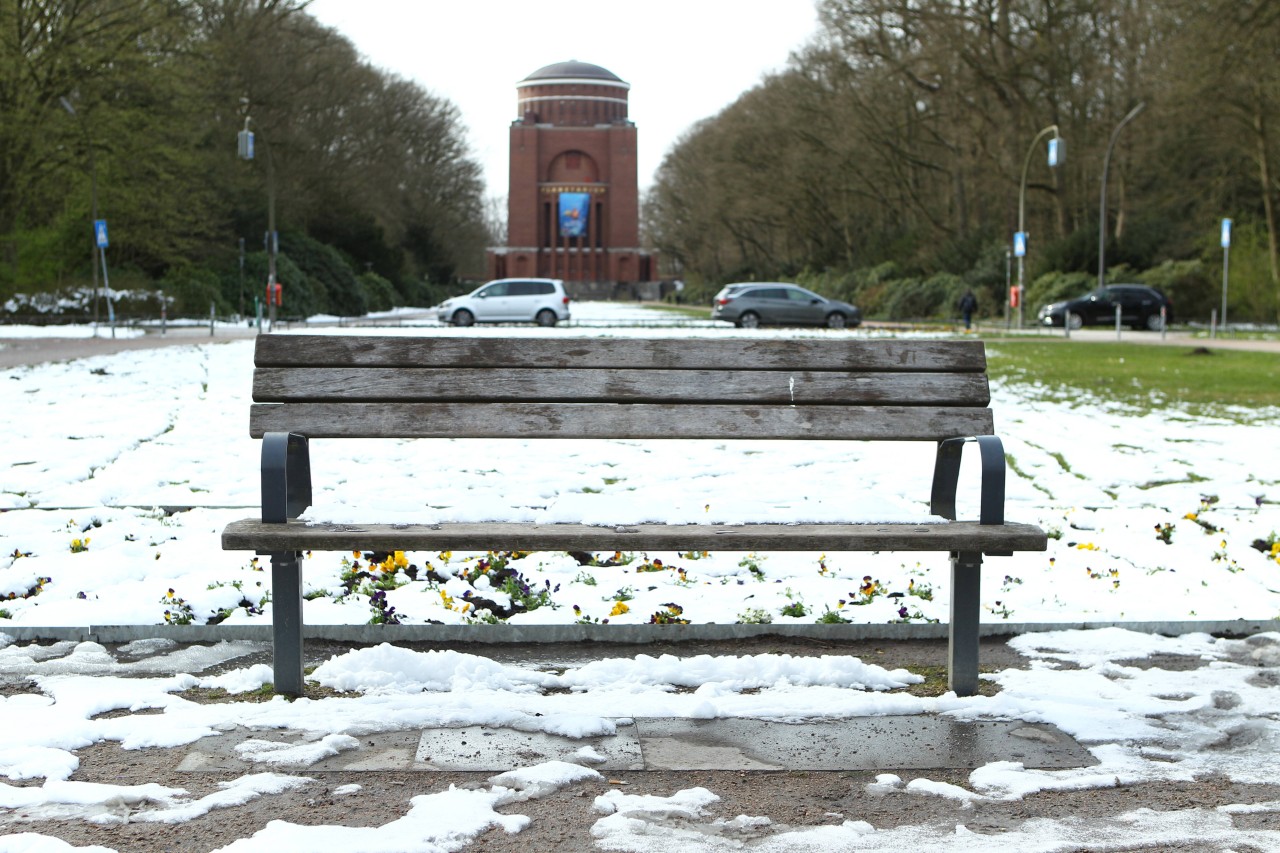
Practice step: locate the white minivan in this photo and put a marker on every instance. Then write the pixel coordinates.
(509, 300)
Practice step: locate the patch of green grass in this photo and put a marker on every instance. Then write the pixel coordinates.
(1066, 466)
(265, 693)
(700, 312)
(935, 682)
(1012, 462)
(1145, 377)
(1192, 477)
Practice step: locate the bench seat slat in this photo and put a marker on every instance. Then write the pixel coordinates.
(251, 534)
(381, 384)
(617, 421)
(672, 353)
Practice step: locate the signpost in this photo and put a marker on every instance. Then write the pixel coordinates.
(1226, 254)
(244, 142)
(100, 237)
(1019, 252)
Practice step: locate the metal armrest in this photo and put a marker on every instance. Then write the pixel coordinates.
(946, 474)
(286, 476)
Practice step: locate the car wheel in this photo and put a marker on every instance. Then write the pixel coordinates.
(835, 320)
(546, 317)
(463, 317)
(1075, 321)
(1155, 322)
(749, 320)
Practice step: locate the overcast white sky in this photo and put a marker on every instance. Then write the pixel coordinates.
(685, 59)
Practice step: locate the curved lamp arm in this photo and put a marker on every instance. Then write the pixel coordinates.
(1026, 163)
(1102, 196)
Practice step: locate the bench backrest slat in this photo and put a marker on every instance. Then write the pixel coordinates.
(420, 384)
(841, 354)
(613, 420)
(841, 388)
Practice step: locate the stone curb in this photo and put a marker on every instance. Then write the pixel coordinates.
(619, 634)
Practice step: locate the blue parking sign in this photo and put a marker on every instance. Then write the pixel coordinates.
(100, 232)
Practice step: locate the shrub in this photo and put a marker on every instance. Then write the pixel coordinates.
(379, 294)
(302, 298)
(189, 291)
(327, 272)
(914, 298)
(1055, 286)
(1189, 285)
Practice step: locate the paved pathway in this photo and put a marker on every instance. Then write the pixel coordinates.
(15, 352)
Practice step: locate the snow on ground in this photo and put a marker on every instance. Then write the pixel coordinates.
(1152, 517)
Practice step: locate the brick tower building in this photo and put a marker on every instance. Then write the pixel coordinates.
(573, 199)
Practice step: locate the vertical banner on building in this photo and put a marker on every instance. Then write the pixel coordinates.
(574, 208)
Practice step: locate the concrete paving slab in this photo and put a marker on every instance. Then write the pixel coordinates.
(483, 748)
(867, 743)
(380, 751)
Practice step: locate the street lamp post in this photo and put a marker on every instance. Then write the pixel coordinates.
(93, 204)
(1056, 153)
(273, 245)
(1102, 204)
(1008, 262)
(272, 240)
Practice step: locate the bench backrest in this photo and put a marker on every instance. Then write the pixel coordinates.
(324, 386)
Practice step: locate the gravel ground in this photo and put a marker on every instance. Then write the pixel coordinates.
(562, 821)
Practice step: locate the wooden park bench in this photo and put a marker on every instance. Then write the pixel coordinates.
(841, 388)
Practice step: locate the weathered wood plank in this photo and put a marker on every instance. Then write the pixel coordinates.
(251, 534)
(613, 420)
(836, 353)
(416, 384)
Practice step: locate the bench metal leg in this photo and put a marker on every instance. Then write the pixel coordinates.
(286, 628)
(962, 654)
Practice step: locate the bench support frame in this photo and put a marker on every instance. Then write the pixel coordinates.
(286, 622)
(966, 611)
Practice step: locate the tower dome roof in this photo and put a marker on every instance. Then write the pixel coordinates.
(573, 69)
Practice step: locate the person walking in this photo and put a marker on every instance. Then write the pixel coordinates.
(968, 304)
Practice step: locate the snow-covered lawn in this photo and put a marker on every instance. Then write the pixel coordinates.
(1152, 517)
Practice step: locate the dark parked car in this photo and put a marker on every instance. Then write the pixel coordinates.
(1139, 307)
(775, 303)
